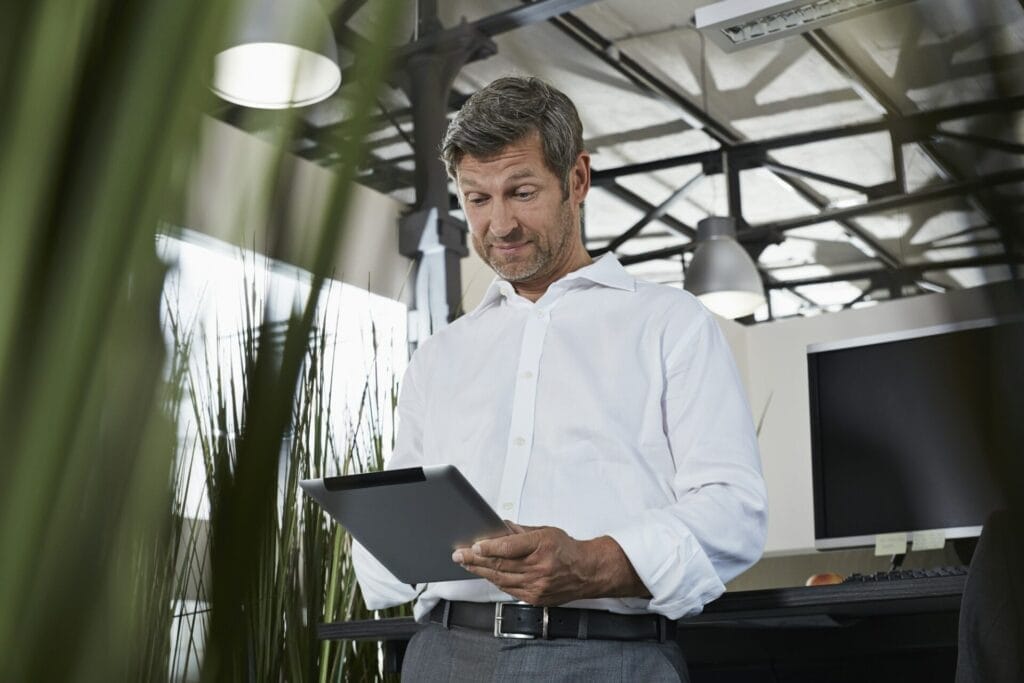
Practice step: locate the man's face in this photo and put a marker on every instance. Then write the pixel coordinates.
(521, 224)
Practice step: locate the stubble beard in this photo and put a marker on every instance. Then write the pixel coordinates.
(540, 254)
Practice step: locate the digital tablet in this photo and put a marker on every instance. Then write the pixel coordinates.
(411, 519)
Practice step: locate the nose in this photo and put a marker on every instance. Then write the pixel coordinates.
(503, 220)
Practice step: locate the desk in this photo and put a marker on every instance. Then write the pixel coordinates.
(901, 631)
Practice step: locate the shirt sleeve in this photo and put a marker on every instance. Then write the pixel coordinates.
(685, 552)
(379, 586)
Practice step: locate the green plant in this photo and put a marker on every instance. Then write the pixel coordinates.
(103, 104)
(243, 510)
(304, 575)
(88, 142)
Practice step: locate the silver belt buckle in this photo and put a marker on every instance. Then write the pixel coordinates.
(498, 617)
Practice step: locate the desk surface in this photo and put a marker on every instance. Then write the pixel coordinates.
(801, 607)
(902, 631)
(840, 601)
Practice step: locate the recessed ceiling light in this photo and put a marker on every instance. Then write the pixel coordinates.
(735, 24)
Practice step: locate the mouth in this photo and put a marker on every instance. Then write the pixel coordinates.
(506, 249)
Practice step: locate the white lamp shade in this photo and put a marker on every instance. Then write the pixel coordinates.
(282, 55)
(722, 274)
(733, 304)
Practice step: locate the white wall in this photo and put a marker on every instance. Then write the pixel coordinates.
(736, 335)
(227, 199)
(476, 276)
(777, 366)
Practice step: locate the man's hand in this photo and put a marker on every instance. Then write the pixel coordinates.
(546, 566)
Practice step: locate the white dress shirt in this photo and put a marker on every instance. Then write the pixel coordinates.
(611, 406)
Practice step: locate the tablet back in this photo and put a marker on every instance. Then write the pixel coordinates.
(411, 519)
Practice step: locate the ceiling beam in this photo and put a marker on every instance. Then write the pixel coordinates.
(820, 177)
(908, 271)
(608, 175)
(605, 50)
(495, 24)
(993, 210)
(654, 255)
(770, 231)
(655, 213)
(322, 135)
(638, 202)
(920, 125)
(932, 193)
(982, 141)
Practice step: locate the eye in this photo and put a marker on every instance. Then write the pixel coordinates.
(476, 199)
(524, 194)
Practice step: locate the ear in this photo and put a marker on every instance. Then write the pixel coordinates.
(579, 179)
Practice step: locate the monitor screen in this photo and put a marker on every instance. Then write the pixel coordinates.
(903, 427)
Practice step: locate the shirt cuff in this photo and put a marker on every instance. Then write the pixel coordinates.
(670, 562)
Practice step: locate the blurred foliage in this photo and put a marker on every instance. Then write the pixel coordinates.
(103, 103)
(304, 571)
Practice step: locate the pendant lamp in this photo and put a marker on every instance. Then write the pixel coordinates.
(722, 274)
(283, 54)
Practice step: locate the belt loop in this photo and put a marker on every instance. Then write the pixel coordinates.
(662, 629)
(446, 617)
(581, 627)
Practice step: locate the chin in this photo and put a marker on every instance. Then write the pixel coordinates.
(513, 271)
(513, 276)
(516, 276)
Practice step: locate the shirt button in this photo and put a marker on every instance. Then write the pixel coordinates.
(507, 506)
(519, 441)
(540, 314)
(526, 375)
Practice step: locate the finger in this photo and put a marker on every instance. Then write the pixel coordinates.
(503, 580)
(517, 545)
(500, 564)
(467, 558)
(460, 553)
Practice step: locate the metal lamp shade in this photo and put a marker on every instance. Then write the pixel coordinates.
(722, 274)
(283, 55)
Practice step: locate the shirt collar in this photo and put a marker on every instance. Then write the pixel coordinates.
(605, 271)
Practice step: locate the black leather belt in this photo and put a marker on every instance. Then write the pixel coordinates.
(519, 620)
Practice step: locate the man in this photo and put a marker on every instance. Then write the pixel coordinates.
(600, 414)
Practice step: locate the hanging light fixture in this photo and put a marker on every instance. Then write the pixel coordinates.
(722, 274)
(283, 55)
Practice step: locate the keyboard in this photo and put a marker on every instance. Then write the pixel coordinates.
(900, 574)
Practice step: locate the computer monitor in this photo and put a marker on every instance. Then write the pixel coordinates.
(902, 429)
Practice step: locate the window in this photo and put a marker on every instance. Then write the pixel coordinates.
(215, 295)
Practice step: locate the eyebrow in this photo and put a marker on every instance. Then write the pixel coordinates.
(517, 175)
(524, 173)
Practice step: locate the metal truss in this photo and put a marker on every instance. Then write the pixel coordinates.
(772, 231)
(907, 273)
(602, 48)
(734, 155)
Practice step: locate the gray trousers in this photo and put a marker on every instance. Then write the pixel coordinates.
(437, 654)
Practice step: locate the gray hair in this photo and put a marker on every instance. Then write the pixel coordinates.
(508, 110)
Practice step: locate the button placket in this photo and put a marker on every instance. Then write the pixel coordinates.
(520, 442)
